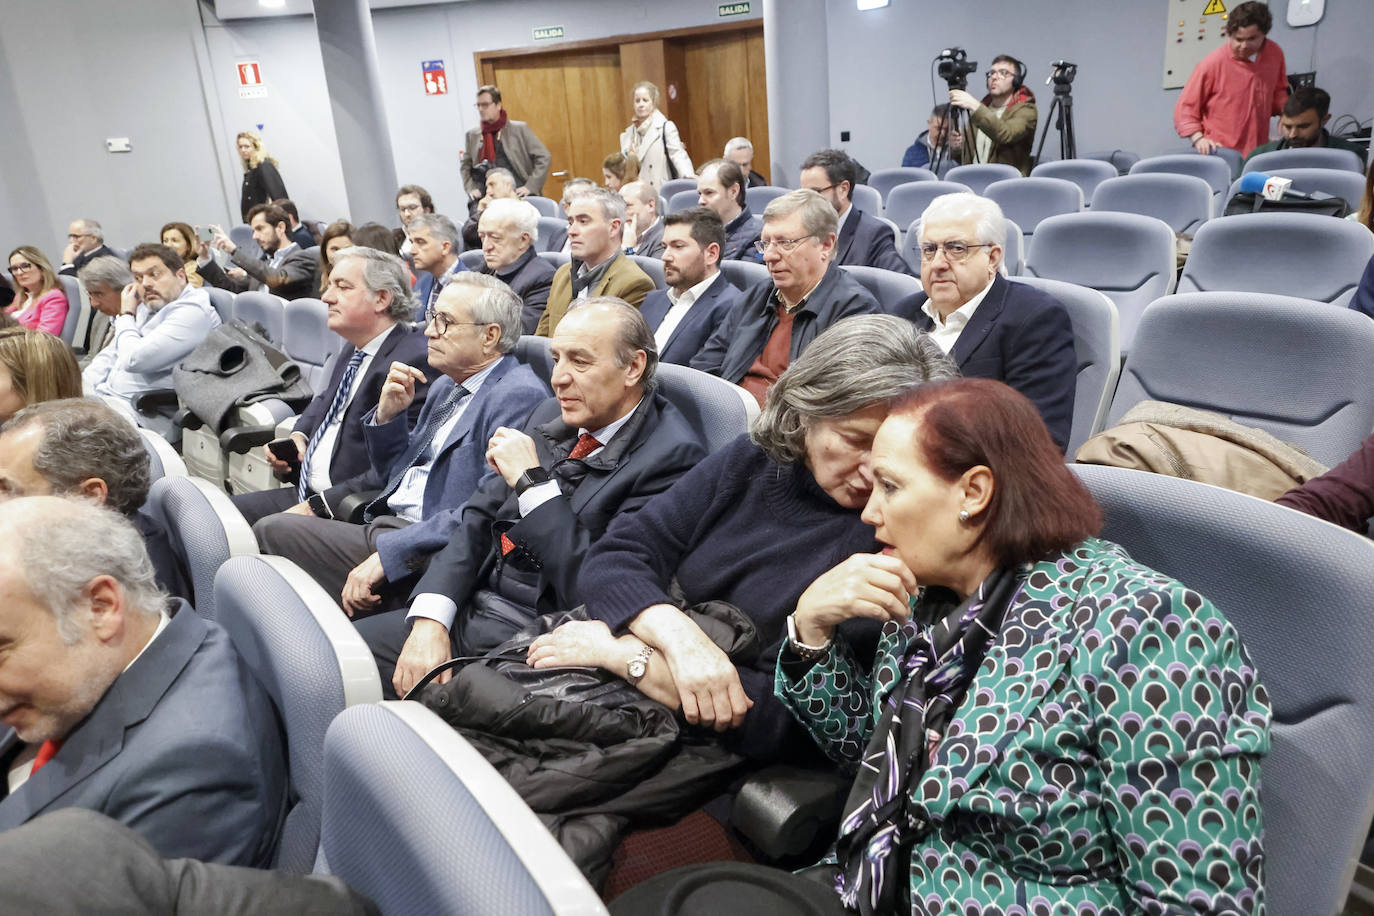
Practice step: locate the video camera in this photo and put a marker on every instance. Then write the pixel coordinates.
(953, 66)
(1063, 72)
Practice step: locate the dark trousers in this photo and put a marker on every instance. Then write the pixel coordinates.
(265, 502)
(328, 550)
(386, 634)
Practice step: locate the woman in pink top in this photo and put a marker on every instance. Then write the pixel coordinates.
(39, 302)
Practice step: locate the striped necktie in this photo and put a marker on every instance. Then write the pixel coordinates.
(422, 448)
(336, 409)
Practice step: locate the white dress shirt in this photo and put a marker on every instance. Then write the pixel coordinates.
(946, 332)
(678, 310)
(329, 435)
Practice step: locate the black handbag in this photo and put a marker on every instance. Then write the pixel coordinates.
(1250, 202)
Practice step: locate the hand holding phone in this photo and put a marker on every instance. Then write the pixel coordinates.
(285, 457)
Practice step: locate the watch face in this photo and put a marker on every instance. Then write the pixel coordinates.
(637, 667)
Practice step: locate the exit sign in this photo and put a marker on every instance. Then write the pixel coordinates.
(725, 10)
(547, 32)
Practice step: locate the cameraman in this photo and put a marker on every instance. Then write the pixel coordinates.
(1002, 126)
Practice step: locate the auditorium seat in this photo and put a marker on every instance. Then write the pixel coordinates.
(1296, 590)
(534, 352)
(1086, 173)
(416, 820)
(866, 199)
(906, 202)
(262, 309)
(205, 530)
(1287, 254)
(1349, 186)
(681, 200)
(1183, 201)
(1211, 169)
(1287, 366)
(1097, 346)
(163, 460)
(242, 237)
(77, 308)
(884, 180)
(223, 302)
(1312, 157)
(312, 662)
(981, 174)
(673, 185)
(651, 266)
(762, 196)
(745, 274)
(720, 411)
(1121, 159)
(556, 258)
(473, 259)
(550, 228)
(1026, 201)
(544, 205)
(1131, 258)
(1231, 157)
(887, 286)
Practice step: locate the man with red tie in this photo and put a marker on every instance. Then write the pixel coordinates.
(603, 446)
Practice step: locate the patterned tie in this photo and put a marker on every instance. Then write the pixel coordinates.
(585, 445)
(336, 409)
(421, 448)
(46, 751)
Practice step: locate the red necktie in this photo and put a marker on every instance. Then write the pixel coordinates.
(584, 447)
(46, 751)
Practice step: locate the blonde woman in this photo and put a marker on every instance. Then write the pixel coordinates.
(39, 301)
(34, 366)
(654, 140)
(262, 182)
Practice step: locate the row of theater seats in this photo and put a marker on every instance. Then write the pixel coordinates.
(394, 801)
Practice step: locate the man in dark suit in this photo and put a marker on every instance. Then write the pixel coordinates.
(120, 701)
(643, 233)
(740, 151)
(992, 328)
(284, 268)
(82, 447)
(699, 297)
(298, 232)
(603, 448)
(775, 321)
(721, 186)
(861, 239)
(369, 304)
(85, 243)
(427, 473)
(508, 231)
(434, 246)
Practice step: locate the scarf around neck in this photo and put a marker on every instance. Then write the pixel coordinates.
(489, 131)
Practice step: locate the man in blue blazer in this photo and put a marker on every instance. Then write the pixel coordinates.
(992, 328)
(861, 239)
(425, 473)
(118, 700)
(699, 297)
(370, 306)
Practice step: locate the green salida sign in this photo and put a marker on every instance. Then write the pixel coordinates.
(549, 31)
(726, 10)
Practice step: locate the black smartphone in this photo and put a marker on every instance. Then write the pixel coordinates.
(286, 450)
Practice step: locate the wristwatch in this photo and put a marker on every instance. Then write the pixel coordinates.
(801, 649)
(530, 478)
(638, 666)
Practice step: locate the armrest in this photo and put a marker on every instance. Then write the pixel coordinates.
(352, 506)
(240, 439)
(783, 810)
(155, 400)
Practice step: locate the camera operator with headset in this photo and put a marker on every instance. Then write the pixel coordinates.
(1001, 127)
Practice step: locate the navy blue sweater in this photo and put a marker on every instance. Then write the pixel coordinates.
(739, 528)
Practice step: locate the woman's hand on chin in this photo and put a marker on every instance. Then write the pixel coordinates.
(865, 585)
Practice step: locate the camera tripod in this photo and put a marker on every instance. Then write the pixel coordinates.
(955, 119)
(1062, 110)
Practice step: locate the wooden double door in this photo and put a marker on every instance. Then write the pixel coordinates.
(576, 97)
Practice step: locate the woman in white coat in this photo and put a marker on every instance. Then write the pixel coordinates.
(655, 140)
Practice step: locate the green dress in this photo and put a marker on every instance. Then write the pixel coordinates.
(1106, 758)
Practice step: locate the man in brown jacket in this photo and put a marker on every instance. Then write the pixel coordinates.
(1001, 128)
(501, 142)
(598, 267)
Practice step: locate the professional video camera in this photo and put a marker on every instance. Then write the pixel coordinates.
(953, 66)
(1063, 73)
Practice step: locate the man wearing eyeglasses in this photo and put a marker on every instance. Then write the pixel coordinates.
(85, 242)
(426, 471)
(807, 294)
(990, 327)
(860, 239)
(1001, 127)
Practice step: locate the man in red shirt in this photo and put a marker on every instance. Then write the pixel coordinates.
(1236, 89)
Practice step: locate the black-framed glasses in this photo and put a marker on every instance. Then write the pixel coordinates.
(954, 251)
(442, 322)
(786, 246)
(1007, 73)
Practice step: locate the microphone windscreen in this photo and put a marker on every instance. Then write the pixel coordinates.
(1252, 182)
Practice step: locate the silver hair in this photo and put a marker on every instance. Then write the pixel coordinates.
(574, 188)
(735, 143)
(612, 204)
(383, 272)
(507, 174)
(859, 362)
(632, 333)
(67, 542)
(521, 215)
(818, 216)
(92, 227)
(496, 303)
(105, 272)
(989, 225)
(439, 226)
(85, 438)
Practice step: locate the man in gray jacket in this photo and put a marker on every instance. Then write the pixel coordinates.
(501, 142)
(284, 267)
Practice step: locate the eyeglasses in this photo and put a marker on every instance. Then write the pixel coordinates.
(16, 268)
(955, 252)
(999, 72)
(442, 322)
(786, 246)
(73, 236)
(824, 189)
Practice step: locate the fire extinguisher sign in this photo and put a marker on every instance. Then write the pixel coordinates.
(435, 81)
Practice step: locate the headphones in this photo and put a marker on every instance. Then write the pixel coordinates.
(1019, 79)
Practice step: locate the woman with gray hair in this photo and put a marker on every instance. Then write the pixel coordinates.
(752, 526)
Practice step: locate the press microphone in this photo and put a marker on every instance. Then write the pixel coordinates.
(1270, 187)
